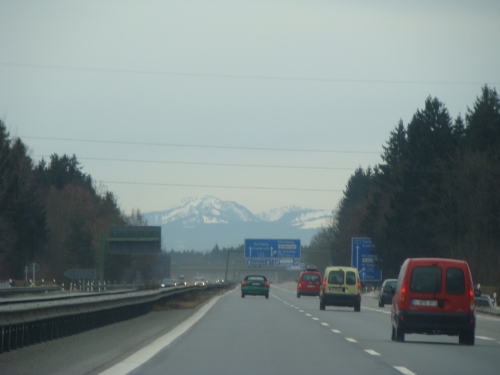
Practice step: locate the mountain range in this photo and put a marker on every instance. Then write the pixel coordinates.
(201, 223)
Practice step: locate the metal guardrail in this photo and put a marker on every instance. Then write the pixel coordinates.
(33, 320)
(7, 295)
(7, 292)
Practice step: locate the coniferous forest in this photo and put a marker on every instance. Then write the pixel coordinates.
(436, 194)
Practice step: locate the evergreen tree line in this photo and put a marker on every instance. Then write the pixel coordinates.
(436, 193)
(53, 214)
(215, 256)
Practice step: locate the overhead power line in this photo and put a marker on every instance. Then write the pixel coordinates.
(233, 76)
(221, 186)
(209, 164)
(160, 144)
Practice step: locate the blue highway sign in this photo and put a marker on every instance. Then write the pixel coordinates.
(263, 248)
(258, 262)
(364, 259)
(286, 261)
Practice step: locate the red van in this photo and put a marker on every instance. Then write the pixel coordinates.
(309, 283)
(434, 296)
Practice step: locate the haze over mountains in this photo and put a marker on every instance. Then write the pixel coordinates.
(201, 223)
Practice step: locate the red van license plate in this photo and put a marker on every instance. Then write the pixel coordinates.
(425, 302)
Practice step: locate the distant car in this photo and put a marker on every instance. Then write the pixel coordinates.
(309, 283)
(255, 285)
(200, 281)
(181, 280)
(386, 292)
(165, 283)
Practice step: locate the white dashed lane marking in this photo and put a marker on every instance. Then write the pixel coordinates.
(401, 369)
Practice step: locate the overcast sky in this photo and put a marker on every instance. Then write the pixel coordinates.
(268, 103)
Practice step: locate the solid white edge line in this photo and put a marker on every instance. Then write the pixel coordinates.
(145, 354)
(404, 370)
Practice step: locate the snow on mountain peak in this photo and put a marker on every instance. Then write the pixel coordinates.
(212, 210)
(206, 210)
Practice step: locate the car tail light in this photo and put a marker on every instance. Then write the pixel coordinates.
(244, 283)
(403, 292)
(471, 298)
(266, 283)
(359, 285)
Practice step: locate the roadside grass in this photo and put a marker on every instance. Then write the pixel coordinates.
(188, 300)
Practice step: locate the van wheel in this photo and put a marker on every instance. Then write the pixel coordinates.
(357, 307)
(400, 335)
(321, 305)
(467, 337)
(393, 334)
(380, 303)
(298, 295)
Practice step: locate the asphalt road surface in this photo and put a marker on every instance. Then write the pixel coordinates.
(254, 335)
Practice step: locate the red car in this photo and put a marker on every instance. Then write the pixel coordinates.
(309, 283)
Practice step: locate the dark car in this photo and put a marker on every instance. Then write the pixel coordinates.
(386, 292)
(309, 283)
(255, 285)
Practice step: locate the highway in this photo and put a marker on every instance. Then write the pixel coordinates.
(287, 335)
(280, 335)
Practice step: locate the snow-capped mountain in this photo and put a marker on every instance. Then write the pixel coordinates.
(206, 210)
(201, 223)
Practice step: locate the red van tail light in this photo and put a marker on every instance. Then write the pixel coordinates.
(403, 293)
(471, 299)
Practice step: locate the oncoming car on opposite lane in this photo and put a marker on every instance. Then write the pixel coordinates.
(200, 281)
(255, 285)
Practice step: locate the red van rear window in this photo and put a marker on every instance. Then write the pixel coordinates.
(455, 281)
(426, 280)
